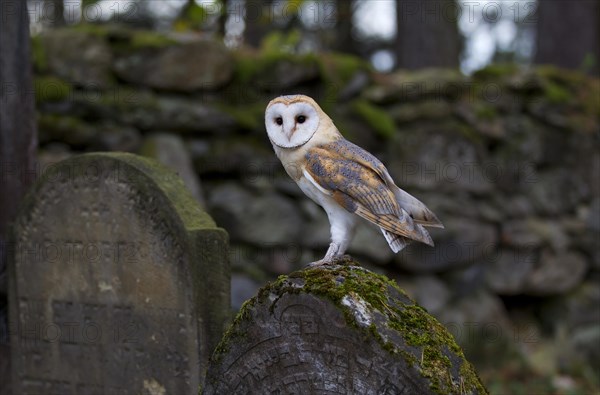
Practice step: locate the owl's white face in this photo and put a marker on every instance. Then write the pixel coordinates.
(290, 126)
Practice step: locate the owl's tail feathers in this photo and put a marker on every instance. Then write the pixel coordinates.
(417, 210)
(397, 242)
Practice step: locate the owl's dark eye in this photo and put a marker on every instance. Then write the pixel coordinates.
(300, 118)
(279, 121)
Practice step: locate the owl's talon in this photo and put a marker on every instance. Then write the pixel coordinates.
(330, 261)
(321, 262)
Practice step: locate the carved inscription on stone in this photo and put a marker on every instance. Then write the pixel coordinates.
(337, 329)
(304, 347)
(101, 292)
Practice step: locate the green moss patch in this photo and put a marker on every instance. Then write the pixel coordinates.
(93, 29)
(250, 117)
(496, 71)
(556, 93)
(51, 89)
(341, 67)
(122, 38)
(337, 71)
(379, 120)
(485, 111)
(435, 350)
(261, 65)
(233, 332)
(67, 129)
(149, 39)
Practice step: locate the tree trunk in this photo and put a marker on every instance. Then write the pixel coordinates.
(54, 11)
(258, 17)
(222, 20)
(18, 139)
(344, 38)
(568, 34)
(427, 34)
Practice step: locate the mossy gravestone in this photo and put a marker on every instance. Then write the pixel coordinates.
(337, 330)
(119, 282)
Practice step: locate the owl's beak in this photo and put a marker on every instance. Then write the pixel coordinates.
(289, 132)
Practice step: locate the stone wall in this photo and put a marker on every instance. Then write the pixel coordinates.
(508, 159)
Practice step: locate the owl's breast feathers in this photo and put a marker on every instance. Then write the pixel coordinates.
(360, 183)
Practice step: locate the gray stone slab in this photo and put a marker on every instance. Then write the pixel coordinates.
(119, 282)
(337, 330)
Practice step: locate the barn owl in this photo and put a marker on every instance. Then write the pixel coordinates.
(344, 179)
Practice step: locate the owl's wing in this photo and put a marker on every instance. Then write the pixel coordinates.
(417, 210)
(360, 189)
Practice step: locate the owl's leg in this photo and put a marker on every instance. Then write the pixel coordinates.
(342, 224)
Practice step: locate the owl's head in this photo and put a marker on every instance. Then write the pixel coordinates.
(291, 121)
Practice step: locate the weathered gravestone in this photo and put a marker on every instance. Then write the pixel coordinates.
(119, 282)
(337, 330)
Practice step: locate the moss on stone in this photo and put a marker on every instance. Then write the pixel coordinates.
(419, 329)
(283, 42)
(379, 120)
(469, 375)
(51, 89)
(341, 67)
(94, 29)
(156, 174)
(149, 39)
(560, 76)
(250, 116)
(233, 331)
(416, 326)
(159, 176)
(182, 199)
(123, 99)
(245, 67)
(122, 38)
(192, 17)
(556, 93)
(485, 111)
(461, 128)
(562, 86)
(574, 90)
(253, 65)
(67, 129)
(337, 71)
(590, 98)
(496, 71)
